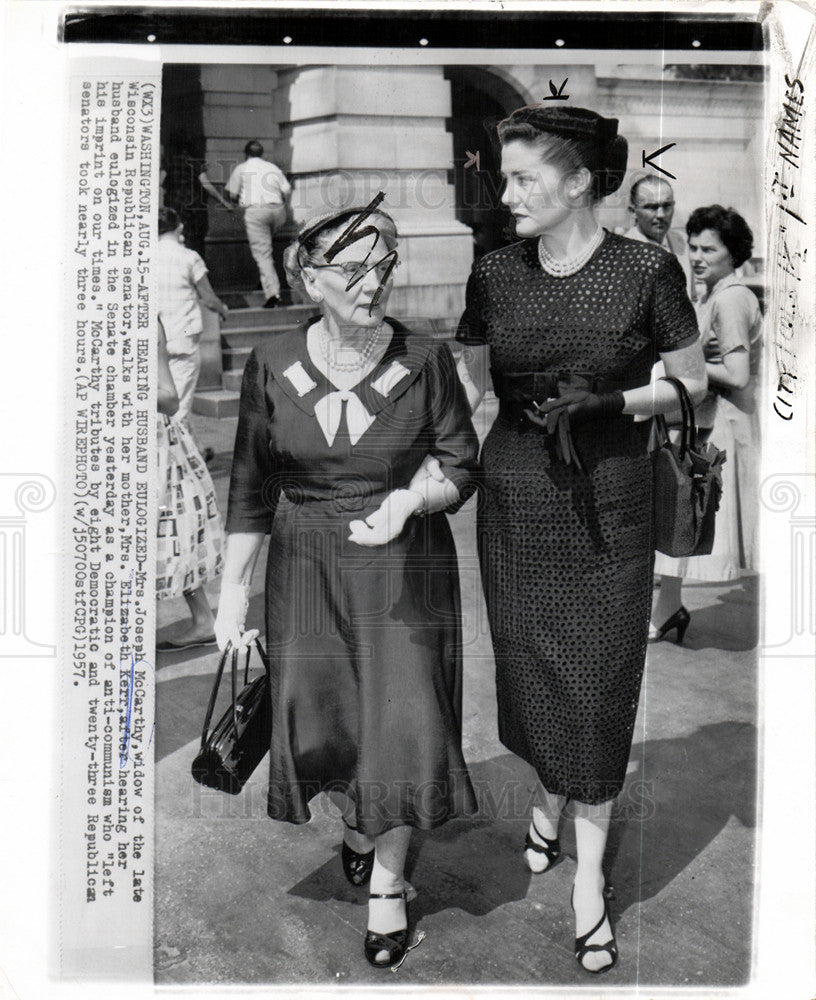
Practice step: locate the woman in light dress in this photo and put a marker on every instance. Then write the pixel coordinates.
(731, 329)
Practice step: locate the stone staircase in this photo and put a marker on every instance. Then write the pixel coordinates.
(245, 328)
(248, 324)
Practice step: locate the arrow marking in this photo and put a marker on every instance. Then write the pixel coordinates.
(649, 160)
(557, 94)
(473, 158)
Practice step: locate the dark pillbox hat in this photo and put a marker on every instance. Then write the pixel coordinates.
(569, 123)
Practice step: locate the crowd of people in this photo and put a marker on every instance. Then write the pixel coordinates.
(355, 439)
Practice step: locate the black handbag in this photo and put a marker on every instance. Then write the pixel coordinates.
(238, 742)
(687, 486)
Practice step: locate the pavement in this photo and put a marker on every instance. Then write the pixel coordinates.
(243, 900)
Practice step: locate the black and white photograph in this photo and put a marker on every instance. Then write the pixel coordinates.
(461, 536)
(461, 704)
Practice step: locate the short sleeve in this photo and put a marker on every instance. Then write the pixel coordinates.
(734, 316)
(673, 317)
(197, 267)
(285, 186)
(233, 185)
(453, 440)
(252, 497)
(471, 329)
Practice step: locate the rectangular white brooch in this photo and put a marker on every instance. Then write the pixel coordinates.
(300, 379)
(389, 378)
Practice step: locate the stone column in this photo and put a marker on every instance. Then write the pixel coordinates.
(348, 132)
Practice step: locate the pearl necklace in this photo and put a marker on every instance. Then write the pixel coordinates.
(330, 352)
(564, 268)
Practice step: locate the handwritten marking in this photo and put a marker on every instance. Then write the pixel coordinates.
(124, 751)
(133, 681)
(472, 158)
(790, 259)
(785, 191)
(352, 234)
(782, 387)
(557, 93)
(788, 133)
(125, 748)
(649, 160)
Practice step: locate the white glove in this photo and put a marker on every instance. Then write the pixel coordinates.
(430, 469)
(387, 521)
(232, 610)
(429, 473)
(431, 484)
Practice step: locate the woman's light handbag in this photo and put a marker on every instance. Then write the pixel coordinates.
(238, 742)
(687, 486)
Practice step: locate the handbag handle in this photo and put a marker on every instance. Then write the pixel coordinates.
(688, 435)
(233, 653)
(234, 680)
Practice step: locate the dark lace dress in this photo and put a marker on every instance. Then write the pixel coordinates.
(365, 642)
(566, 556)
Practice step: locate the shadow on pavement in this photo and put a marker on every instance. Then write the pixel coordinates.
(672, 807)
(180, 709)
(682, 795)
(732, 623)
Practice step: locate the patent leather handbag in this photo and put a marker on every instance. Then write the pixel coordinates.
(687, 485)
(235, 746)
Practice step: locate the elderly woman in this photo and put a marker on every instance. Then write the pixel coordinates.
(336, 422)
(573, 318)
(730, 320)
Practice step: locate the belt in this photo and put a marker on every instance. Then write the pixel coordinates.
(352, 498)
(517, 391)
(529, 387)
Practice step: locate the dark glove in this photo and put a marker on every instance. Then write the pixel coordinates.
(557, 424)
(581, 406)
(574, 407)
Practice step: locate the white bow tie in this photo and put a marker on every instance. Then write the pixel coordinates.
(328, 409)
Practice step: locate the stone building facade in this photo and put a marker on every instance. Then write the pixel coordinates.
(346, 131)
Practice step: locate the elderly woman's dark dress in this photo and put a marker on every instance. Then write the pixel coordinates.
(567, 555)
(364, 642)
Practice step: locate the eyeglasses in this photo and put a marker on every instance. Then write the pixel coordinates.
(352, 268)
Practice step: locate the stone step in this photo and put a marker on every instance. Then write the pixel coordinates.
(218, 403)
(258, 316)
(231, 380)
(249, 336)
(237, 299)
(234, 358)
(240, 298)
(437, 329)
